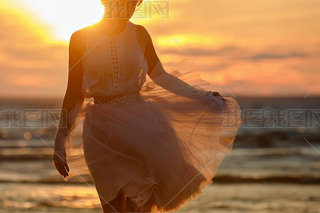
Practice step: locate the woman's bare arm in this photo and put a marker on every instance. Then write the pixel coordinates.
(156, 72)
(73, 97)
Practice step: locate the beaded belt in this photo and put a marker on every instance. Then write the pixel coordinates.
(128, 99)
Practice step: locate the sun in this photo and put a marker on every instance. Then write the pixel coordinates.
(58, 19)
(64, 17)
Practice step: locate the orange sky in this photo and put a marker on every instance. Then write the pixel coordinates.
(253, 48)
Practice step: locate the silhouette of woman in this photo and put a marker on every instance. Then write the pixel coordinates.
(151, 141)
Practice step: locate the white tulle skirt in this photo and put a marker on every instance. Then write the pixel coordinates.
(161, 152)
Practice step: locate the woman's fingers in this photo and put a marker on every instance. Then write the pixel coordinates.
(223, 98)
(67, 167)
(61, 165)
(217, 94)
(61, 169)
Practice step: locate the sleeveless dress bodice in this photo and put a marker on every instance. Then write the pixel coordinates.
(113, 65)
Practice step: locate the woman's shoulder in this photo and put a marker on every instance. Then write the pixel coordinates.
(84, 30)
(143, 35)
(78, 39)
(79, 35)
(142, 32)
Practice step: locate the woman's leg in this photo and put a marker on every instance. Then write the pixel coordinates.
(129, 206)
(118, 204)
(112, 206)
(126, 204)
(123, 202)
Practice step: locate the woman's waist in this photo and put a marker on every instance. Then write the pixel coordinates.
(120, 99)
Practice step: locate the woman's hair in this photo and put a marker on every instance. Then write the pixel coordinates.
(104, 2)
(125, 9)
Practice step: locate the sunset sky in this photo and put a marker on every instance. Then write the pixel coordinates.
(251, 47)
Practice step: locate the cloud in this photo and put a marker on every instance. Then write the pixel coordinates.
(274, 56)
(200, 51)
(28, 64)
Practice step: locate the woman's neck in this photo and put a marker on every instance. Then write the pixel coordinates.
(116, 24)
(109, 20)
(113, 21)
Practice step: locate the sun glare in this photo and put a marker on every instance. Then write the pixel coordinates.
(64, 17)
(188, 39)
(56, 20)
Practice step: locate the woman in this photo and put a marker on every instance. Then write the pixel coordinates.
(149, 144)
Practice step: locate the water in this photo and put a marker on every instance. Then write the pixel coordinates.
(218, 198)
(269, 169)
(245, 165)
(249, 180)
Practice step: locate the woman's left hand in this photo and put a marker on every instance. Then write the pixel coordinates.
(216, 94)
(60, 162)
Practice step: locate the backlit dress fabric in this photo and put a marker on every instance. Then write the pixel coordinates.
(158, 140)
